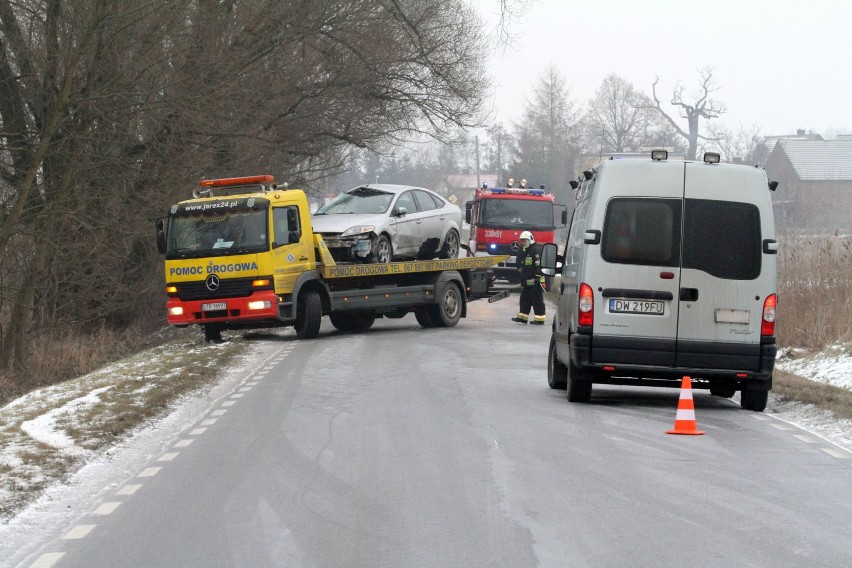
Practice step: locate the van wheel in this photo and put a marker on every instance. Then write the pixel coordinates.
(723, 390)
(310, 315)
(448, 310)
(579, 385)
(754, 399)
(557, 373)
(424, 316)
(212, 333)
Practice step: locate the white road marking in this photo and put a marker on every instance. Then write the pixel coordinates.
(47, 560)
(128, 490)
(806, 439)
(228, 403)
(782, 426)
(237, 395)
(209, 422)
(219, 412)
(835, 453)
(168, 457)
(78, 532)
(107, 508)
(245, 389)
(197, 431)
(150, 472)
(184, 443)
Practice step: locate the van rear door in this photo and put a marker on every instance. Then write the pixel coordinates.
(724, 279)
(637, 273)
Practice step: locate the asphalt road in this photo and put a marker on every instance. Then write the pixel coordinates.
(445, 447)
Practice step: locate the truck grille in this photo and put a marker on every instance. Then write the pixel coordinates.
(228, 288)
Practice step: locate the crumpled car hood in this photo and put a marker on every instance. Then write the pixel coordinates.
(339, 223)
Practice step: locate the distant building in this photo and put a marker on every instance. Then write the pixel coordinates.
(814, 183)
(761, 153)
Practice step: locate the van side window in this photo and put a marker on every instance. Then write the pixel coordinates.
(722, 238)
(642, 231)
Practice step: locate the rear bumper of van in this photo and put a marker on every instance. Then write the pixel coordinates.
(620, 360)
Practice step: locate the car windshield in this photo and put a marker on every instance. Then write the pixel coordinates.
(218, 228)
(360, 200)
(506, 213)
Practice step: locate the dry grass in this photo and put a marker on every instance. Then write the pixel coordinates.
(100, 407)
(827, 397)
(814, 291)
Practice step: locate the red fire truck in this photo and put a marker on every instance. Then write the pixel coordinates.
(498, 215)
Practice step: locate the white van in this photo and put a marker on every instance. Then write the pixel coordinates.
(668, 271)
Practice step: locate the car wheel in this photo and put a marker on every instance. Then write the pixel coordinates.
(382, 250)
(451, 245)
(557, 373)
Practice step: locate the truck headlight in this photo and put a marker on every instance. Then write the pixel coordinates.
(260, 305)
(358, 230)
(176, 311)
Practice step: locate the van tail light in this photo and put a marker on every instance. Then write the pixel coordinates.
(586, 306)
(767, 324)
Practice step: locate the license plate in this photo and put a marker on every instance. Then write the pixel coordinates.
(651, 307)
(214, 306)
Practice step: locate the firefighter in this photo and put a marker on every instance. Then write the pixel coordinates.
(532, 280)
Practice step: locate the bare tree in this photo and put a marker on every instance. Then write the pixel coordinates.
(110, 110)
(618, 117)
(701, 106)
(740, 145)
(547, 137)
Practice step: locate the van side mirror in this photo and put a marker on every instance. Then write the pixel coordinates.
(592, 237)
(773, 185)
(549, 257)
(564, 218)
(161, 235)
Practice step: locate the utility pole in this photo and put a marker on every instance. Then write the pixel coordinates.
(478, 183)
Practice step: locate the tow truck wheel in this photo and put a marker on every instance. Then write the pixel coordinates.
(212, 333)
(754, 399)
(447, 312)
(451, 245)
(557, 373)
(382, 250)
(424, 316)
(310, 315)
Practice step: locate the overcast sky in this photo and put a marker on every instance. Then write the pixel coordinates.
(782, 65)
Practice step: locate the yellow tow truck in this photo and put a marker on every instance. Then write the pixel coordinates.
(242, 255)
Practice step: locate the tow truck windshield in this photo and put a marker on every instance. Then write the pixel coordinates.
(218, 228)
(506, 213)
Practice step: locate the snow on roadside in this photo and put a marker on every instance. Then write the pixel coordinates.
(44, 428)
(832, 366)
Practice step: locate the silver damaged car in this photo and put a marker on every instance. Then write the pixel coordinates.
(382, 223)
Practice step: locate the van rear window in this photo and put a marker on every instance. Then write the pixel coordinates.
(642, 231)
(722, 238)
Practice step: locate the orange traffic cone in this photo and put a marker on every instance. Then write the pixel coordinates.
(685, 419)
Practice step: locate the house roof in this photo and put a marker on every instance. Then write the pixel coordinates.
(820, 160)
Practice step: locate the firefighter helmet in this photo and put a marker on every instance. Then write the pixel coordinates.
(528, 236)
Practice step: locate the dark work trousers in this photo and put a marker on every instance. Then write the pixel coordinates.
(532, 297)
